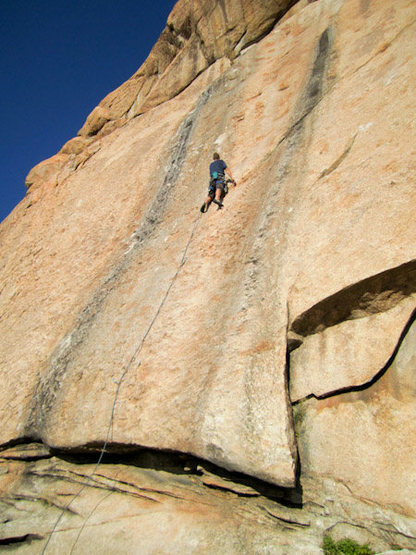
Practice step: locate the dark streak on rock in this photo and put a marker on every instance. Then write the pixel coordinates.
(36, 499)
(224, 11)
(90, 482)
(364, 5)
(141, 489)
(293, 143)
(26, 538)
(286, 520)
(339, 160)
(315, 87)
(51, 380)
(235, 491)
(312, 94)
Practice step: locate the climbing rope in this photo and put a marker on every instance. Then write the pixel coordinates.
(119, 382)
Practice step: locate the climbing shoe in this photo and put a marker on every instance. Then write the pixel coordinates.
(203, 208)
(218, 203)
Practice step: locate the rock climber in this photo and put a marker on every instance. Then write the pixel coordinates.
(217, 182)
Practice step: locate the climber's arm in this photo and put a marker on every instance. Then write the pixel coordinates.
(230, 175)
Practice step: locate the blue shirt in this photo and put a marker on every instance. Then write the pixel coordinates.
(217, 166)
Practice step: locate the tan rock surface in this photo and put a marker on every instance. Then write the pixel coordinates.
(365, 439)
(128, 319)
(46, 173)
(75, 145)
(156, 503)
(95, 121)
(348, 354)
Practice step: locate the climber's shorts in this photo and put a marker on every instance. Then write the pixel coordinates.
(214, 185)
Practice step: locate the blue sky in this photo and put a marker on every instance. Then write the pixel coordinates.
(58, 59)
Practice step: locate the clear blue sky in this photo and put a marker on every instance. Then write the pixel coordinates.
(58, 59)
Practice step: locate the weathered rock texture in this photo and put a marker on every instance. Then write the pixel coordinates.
(181, 343)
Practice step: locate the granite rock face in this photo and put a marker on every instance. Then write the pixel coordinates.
(367, 437)
(247, 371)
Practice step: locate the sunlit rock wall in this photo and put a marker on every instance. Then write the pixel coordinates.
(264, 350)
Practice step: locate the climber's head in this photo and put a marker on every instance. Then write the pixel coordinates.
(216, 156)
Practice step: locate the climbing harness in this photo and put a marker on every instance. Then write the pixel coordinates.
(119, 382)
(212, 188)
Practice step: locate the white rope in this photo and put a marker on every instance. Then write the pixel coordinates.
(126, 369)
